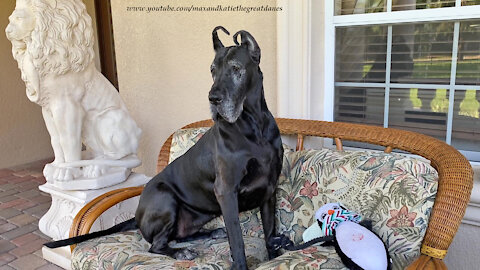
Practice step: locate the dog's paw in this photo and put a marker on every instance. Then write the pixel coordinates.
(237, 266)
(218, 233)
(185, 254)
(279, 241)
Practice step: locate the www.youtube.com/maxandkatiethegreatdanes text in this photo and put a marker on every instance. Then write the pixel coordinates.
(194, 8)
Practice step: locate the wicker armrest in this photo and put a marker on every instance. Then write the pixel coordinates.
(85, 218)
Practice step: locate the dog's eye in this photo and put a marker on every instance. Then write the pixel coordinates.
(212, 69)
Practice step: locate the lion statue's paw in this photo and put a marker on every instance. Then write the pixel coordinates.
(66, 174)
(94, 171)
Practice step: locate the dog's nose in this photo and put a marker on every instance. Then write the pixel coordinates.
(214, 99)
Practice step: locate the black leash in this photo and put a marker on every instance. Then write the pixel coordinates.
(284, 242)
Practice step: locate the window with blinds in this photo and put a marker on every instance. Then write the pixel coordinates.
(418, 76)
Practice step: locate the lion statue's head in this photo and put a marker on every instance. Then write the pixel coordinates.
(57, 35)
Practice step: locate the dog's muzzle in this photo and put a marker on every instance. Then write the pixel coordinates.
(214, 99)
(225, 106)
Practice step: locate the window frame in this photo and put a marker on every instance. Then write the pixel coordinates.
(389, 18)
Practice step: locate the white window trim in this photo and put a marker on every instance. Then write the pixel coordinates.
(421, 15)
(305, 96)
(440, 14)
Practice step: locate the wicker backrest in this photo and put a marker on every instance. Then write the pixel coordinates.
(454, 170)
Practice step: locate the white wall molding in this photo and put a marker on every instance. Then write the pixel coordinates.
(293, 59)
(328, 62)
(420, 15)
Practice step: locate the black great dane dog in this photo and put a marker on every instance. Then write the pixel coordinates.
(234, 167)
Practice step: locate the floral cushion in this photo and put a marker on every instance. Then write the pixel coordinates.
(129, 250)
(314, 257)
(394, 191)
(183, 139)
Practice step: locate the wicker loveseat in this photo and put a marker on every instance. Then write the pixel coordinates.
(416, 206)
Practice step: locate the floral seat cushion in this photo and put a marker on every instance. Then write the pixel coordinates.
(129, 250)
(313, 257)
(394, 191)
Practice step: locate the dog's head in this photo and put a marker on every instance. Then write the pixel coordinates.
(232, 71)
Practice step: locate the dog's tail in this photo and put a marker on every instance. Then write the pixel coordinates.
(127, 225)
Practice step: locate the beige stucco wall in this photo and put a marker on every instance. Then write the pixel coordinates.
(90, 5)
(163, 63)
(23, 135)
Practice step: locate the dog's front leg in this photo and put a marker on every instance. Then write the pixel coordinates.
(267, 212)
(227, 198)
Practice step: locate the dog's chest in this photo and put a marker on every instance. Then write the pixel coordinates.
(260, 180)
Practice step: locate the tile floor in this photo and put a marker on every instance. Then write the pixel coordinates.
(21, 206)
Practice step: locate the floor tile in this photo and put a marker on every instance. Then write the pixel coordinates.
(9, 213)
(8, 198)
(19, 231)
(28, 262)
(8, 193)
(27, 185)
(40, 199)
(28, 249)
(25, 239)
(8, 186)
(6, 227)
(42, 235)
(50, 267)
(21, 205)
(29, 193)
(6, 246)
(24, 205)
(39, 210)
(12, 203)
(22, 173)
(19, 180)
(5, 172)
(22, 220)
(6, 258)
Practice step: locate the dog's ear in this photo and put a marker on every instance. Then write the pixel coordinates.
(217, 44)
(250, 42)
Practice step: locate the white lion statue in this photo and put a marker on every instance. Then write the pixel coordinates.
(52, 41)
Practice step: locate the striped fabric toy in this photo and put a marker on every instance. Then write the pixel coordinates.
(335, 217)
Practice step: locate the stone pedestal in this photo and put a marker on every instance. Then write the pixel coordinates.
(59, 256)
(57, 221)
